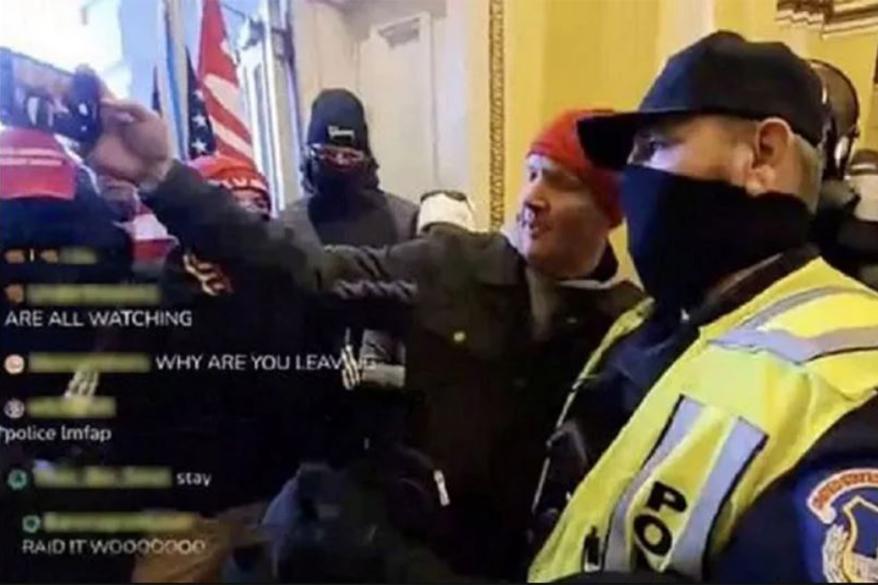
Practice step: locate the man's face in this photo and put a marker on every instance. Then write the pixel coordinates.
(700, 147)
(253, 201)
(562, 230)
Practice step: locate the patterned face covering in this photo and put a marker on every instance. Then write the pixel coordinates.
(341, 158)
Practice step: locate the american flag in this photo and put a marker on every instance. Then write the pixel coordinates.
(201, 137)
(213, 118)
(151, 239)
(199, 127)
(219, 80)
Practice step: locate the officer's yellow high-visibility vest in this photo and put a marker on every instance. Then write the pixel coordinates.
(735, 412)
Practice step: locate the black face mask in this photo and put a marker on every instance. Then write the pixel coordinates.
(330, 182)
(686, 234)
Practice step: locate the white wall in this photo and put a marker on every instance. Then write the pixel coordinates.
(453, 116)
(324, 51)
(449, 50)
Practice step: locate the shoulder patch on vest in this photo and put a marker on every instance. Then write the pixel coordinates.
(846, 505)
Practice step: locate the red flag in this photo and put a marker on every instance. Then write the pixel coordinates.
(219, 81)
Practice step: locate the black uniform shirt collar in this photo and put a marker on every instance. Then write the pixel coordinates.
(753, 284)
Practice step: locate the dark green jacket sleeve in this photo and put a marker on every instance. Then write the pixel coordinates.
(373, 283)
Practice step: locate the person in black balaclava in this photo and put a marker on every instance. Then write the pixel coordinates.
(344, 205)
(343, 201)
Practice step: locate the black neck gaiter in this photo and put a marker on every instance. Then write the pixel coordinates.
(336, 185)
(686, 234)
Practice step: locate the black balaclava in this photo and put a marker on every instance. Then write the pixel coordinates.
(338, 119)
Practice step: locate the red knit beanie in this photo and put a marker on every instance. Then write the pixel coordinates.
(559, 141)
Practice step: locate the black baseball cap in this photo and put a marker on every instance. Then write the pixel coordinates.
(720, 74)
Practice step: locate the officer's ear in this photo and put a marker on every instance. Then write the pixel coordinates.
(772, 167)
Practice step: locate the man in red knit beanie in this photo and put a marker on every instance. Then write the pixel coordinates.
(568, 205)
(496, 330)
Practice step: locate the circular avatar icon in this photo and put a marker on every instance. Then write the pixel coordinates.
(30, 524)
(17, 479)
(15, 294)
(14, 364)
(14, 408)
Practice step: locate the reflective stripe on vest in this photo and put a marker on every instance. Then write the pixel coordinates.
(736, 453)
(617, 558)
(748, 336)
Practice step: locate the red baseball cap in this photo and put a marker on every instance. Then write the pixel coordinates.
(34, 164)
(231, 173)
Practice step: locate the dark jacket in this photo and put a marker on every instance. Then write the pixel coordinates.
(211, 420)
(848, 243)
(365, 217)
(36, 237)
(371, 218)
(487, 393)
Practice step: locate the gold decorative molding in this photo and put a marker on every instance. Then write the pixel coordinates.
(829, 17)
(497, 113)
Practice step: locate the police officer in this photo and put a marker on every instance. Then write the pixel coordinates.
(747, 383)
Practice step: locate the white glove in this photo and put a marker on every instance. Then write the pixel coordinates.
(84, 383)
(351, 376)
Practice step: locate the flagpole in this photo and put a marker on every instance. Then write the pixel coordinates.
(172, 72)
